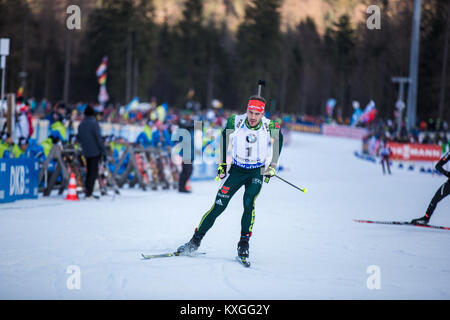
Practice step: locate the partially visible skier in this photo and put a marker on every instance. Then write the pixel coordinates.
(385, 153)
(440, 194)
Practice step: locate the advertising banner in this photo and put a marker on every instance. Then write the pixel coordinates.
(344, 131)
(415, 152)
(18, 179)
(305, 127)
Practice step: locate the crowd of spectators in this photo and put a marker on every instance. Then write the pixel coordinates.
(157, 114)
(431, 132)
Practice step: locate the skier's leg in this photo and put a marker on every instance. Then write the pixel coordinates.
(440, 194)
(232, 184)
(388, 165)
(228, 189)
(252, 188)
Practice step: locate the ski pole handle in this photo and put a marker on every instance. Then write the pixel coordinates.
(260, 84)
(292, 185)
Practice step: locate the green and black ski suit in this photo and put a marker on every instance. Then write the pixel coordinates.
(244, 171)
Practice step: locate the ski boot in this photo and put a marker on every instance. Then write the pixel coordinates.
(190, 247)
(242, 249)
(422, 220)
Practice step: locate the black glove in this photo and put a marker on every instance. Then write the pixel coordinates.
(269, 173)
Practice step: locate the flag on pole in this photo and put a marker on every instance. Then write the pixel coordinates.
(102, 79)
(356, 113)
(331, 103)
(19, 92)
(103, 94)
(369, 113)
(102, 67)
(133, 105)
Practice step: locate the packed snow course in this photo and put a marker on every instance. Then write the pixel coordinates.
(304, 245)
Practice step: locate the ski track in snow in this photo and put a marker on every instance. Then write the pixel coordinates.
(304, 246)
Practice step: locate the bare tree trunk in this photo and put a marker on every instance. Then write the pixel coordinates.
(304, 91)
(47, 77)
(128, 68)
(23, 72)
(444, 68)
(67, 66)
(210, 84)
(135, 76)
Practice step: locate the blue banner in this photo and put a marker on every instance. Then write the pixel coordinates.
(18, 179)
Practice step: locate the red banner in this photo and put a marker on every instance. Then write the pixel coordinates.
(415, 152)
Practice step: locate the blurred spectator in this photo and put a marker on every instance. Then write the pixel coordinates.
(58, 113)
(93, 148)
(186, 123)
(423, 125)
(24, 126)
(385, 152)
(5, 145)
(431, 125)
(20, 150)
(161, 136)
(426, 139)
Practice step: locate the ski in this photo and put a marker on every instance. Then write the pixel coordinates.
(168, 254)
(162, 255)
(403, 223)
(243, 261)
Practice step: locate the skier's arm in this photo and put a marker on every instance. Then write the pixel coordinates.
(441, 163)
(229, 129)
(277, 142)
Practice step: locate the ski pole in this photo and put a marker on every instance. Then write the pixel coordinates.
(260, 84)
(292, 185)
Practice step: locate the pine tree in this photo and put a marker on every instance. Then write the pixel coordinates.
(258, 48)
(341, 41)
(189, 57)
(196, 54)
(124, 31)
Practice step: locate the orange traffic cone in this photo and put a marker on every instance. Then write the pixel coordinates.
(188, 185)
(72, 189)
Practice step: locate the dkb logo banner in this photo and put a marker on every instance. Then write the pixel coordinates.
(18, 179)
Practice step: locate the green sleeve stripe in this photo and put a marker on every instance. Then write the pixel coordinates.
(275, 132)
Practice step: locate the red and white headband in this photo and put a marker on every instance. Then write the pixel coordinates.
(256, 105)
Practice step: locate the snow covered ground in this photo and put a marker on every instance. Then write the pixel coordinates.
(304, 246)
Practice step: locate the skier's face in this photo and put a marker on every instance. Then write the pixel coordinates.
(254, 117)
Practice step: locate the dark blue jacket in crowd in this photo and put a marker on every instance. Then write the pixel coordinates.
(90, 138)
(161, 139)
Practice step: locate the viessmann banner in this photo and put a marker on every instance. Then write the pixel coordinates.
(415, 152)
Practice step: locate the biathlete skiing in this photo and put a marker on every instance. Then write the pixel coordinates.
(255, 140)
(440, 194)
